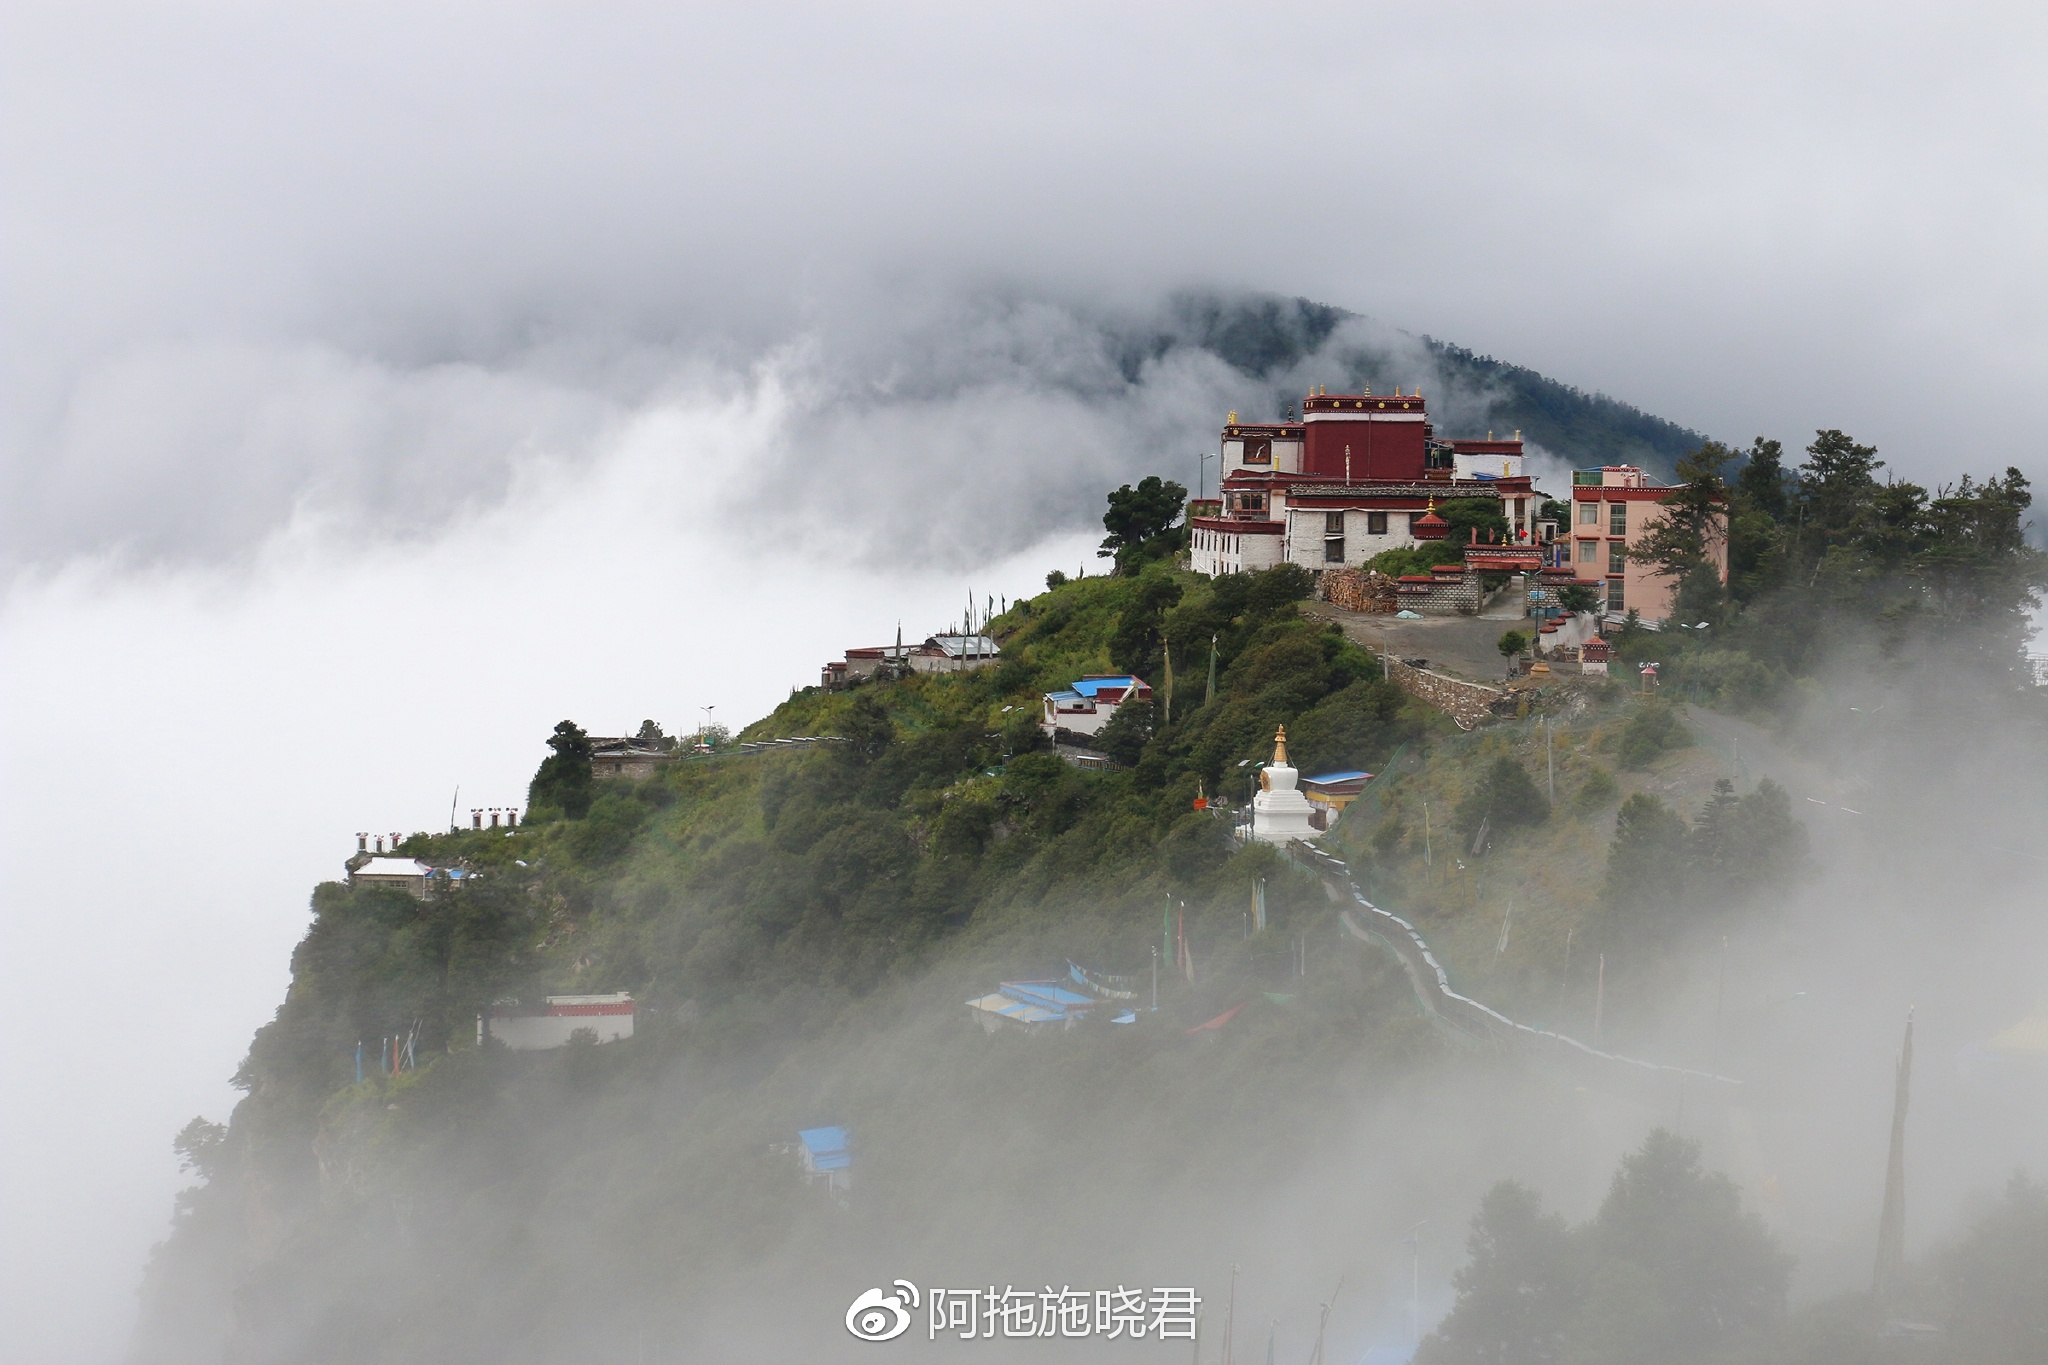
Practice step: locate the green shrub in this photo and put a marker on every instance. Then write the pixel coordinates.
(1597, 792)
(1503, 797)
(1652, 731)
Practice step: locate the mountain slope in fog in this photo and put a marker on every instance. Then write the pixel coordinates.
(802, 928)
(1270, 337)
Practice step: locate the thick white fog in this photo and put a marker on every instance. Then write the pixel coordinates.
(386, 382)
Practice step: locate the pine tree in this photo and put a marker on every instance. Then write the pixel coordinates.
(1520, 1292)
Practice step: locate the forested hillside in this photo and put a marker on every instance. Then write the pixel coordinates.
(801, 928)
(1266, 336)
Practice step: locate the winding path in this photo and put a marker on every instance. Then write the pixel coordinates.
(1432, 986)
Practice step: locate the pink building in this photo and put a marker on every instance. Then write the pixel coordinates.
(1613, 507)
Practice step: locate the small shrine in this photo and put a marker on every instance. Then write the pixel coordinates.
(1280, 813)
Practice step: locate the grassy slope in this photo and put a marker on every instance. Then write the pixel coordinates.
(802, 929)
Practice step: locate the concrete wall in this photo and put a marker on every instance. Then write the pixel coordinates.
(1212, 551)
(416, 887)
(536, 1032)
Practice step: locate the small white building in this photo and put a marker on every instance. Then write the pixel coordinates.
(1091, 703)
(952, 653)
(524, 1028)
(405, 874)
(1280, 813)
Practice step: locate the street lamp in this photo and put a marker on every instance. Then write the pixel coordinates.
(1202, 473)
(704, 724)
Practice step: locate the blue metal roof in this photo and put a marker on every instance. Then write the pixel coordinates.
(1016, 1010)
(823, 1142)
(1050, 994)
(1088, 687)
(1338, 777)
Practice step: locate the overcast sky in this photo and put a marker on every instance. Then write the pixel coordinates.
(385, 382)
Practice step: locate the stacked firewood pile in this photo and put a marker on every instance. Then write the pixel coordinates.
(1359, 590)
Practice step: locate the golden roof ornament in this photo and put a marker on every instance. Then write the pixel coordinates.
(1280, 746)
(1231, 420)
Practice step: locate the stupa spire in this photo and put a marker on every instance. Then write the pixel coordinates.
(1280, 746)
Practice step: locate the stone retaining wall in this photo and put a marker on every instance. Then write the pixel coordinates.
(1466, 703)
(1460, 596)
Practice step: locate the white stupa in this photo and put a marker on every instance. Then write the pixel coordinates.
(1279, 812)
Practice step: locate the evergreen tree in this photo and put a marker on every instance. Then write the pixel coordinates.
(1473, 519)
(1520, 1292)
(563, 782)
(1835, 485)
(1683, 544)
(1762, 483)
(1139, 643)
(1128, 732)
(1646, 867)
(1504, 797)
(1140, 522)
(1708, 845)
(1994, 1281)
(1677, 1270)
(1757, 843)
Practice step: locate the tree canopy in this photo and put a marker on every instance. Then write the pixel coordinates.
(1671, 1269)
(562, 786)
(1140, 522)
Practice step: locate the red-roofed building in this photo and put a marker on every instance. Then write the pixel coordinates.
(1360, 473)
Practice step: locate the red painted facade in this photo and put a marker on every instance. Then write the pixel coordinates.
(1358, 437)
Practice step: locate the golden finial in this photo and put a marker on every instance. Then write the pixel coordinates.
(1280, 746)
(1231, 420)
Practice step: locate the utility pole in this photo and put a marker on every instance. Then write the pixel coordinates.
(1564, 979)
(1721, 990)
(1550, 759)
(1230, 1322)
(1414, 1242)
(1599, 999)
(1155, 981)
(1891, 1224)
